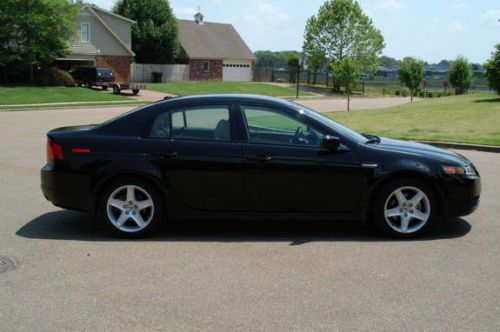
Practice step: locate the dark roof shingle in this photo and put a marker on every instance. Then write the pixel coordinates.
(212, 41)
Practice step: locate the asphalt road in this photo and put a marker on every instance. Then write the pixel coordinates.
(235, 275)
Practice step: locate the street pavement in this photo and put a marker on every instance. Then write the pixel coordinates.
(228, 276)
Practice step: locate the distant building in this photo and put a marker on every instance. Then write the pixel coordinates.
(214, 51)
(104, 39)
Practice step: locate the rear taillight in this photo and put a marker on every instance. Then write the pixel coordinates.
(54, 152)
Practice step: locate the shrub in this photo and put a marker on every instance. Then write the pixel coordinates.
(55, 77)
(430, 94)
(397, 93)
(438, 95)
(405, 93)
(421, 94)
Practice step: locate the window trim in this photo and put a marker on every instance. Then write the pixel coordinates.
(281, 112)
(185, 108)
(88, 32)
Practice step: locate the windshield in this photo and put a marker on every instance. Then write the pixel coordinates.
(340, 129)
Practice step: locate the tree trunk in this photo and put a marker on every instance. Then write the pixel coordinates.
(348, 101)
(314, 77)
(411, 95)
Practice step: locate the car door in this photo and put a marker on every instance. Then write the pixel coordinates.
(288, 170)
(201, 164)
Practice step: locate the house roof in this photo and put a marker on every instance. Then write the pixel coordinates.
(212, 41)
(110, 13)
(92, 9)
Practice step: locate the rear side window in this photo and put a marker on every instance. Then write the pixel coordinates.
(209, 123)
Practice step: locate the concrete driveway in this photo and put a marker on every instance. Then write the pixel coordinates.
(235, 275)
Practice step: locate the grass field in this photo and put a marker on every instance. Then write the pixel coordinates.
(196, 88)
(35, 95)
(472, 118)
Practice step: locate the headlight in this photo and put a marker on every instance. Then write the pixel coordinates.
(456, 170)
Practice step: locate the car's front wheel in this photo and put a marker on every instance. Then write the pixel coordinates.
(405, 208)
(131, 208)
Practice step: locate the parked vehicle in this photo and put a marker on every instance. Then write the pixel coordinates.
(244, 156)
(90, 76)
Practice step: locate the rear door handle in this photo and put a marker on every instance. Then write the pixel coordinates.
(169, 155)
(261, 158)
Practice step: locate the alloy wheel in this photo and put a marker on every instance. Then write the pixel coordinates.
(130, 208)
(407, 210)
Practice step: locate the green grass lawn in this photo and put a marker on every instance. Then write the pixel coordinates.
(196, 88)
(34, 95)
(473, 118)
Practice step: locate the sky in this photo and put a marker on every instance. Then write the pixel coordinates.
(427, 29)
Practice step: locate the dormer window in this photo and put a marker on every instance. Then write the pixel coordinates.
(85, 32)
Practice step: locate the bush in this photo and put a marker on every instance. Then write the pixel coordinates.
(397, 93)
(438, 95)
(54, 77)
(430, 94)
(421, 94)
(405, 93)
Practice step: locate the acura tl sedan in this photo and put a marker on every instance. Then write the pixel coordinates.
(250, 157)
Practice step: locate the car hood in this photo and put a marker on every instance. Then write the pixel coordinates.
(423, 150)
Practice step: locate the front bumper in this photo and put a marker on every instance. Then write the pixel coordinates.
(462, 195)
(68, 191)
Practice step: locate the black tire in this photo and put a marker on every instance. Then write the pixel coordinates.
(135, 92)
(157, 210)
(116, 90)
(381, 198)
(105, 88)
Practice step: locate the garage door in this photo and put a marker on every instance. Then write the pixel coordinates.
(236, 71)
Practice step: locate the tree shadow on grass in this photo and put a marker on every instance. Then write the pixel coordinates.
(76, 226)
(490, 100)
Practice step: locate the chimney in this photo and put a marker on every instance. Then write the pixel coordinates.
(198, 18)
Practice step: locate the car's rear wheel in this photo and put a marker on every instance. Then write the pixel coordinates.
(116, 90)
(131, 208)
(405, 208)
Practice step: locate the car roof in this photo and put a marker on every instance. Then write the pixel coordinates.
(249, 98)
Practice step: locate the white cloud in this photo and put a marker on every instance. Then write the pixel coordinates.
(391, 4)
(184, 11)
(457, 25)
(491, 16)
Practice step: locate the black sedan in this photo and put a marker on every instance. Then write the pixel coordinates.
(250, 157)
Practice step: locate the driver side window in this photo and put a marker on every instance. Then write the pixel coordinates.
(269, 126)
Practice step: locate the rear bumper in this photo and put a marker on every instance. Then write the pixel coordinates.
(67, 191)
(462, 196)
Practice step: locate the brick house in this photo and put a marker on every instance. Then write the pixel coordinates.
(104, 39)
(214, 51)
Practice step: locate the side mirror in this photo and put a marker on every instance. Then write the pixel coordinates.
(331, 143)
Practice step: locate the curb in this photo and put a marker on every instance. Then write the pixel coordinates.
(463, 146)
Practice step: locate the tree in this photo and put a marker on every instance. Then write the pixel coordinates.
(314, 54)
(460, 74)
(387, 61)
(341, 30)
(34, 33)
(154, 35)
(411, 73)
(346, 73)
(493, 70)
(293, 67)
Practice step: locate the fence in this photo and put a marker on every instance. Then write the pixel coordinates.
(143, 73)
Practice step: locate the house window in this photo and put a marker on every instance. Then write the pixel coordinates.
(206, 67)
(85, 32)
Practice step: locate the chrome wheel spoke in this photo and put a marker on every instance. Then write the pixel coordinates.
(400, 196)
(122, 219)
(405, 222)
(116, 203)
(138, 220)
(415, 200)
(130, 193)
(394, 212)
(420, 215)
(144, 204)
